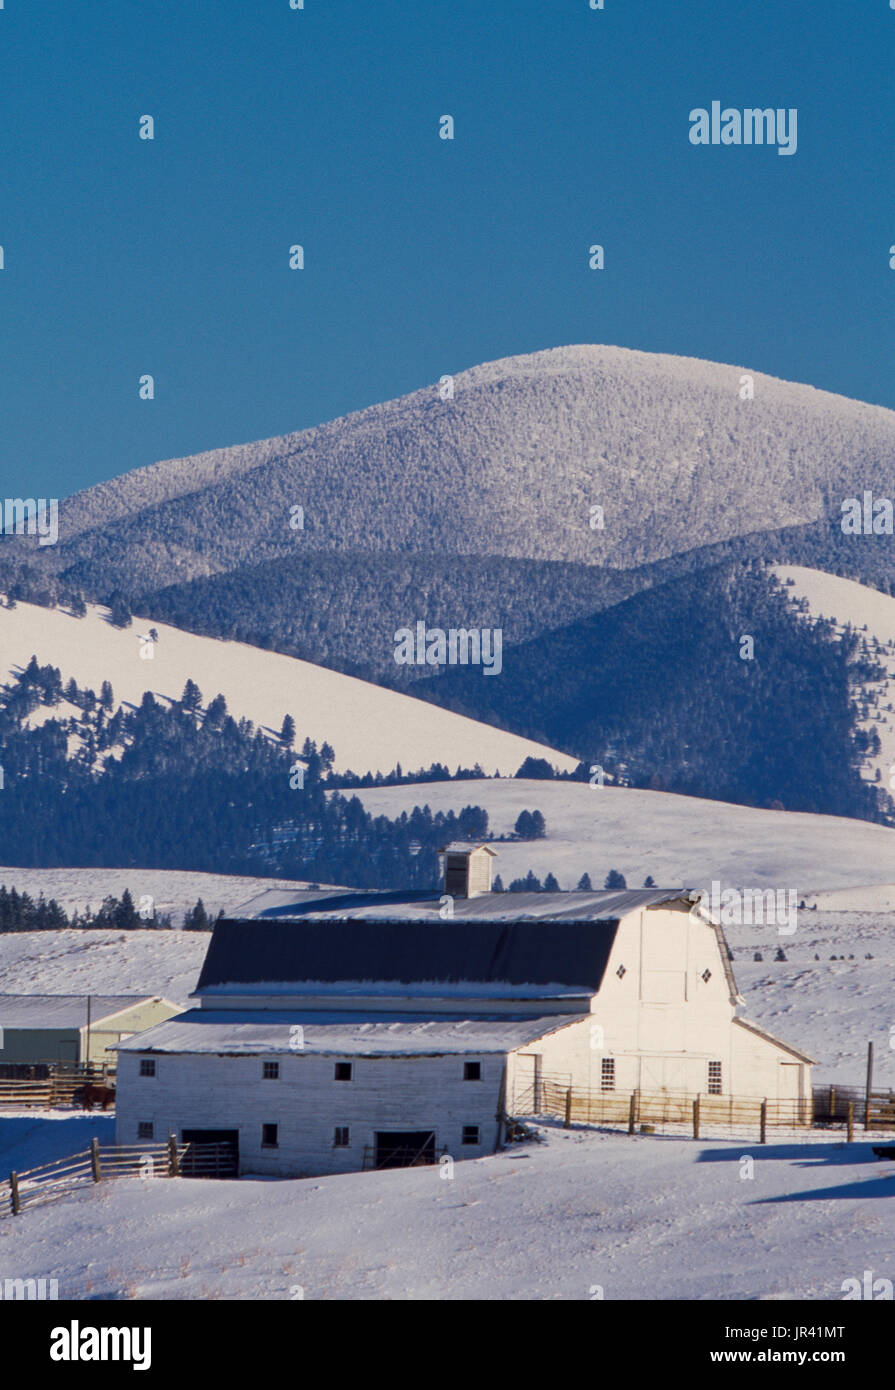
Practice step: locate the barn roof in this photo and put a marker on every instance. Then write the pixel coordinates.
(237, 1033)
(772, 1038)
(361, 957)
(63, 1010)
(390, 942)
(378, 906)
(467, 847)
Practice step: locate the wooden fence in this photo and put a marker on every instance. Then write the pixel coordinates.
(651, 1111)
(62, 1176)
(48, 1085)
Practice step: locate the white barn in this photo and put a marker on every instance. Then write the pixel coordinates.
(342, 1030)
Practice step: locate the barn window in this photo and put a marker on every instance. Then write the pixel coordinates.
(147, 1066)
(706, 975)
(472, 1071)
(607, 1074)
(471, 1134)
(270, 1137)
(714, 1078)
(621, 972)
(341, 1137)
(343, 1071)
(144, 1129)
(271, 1071)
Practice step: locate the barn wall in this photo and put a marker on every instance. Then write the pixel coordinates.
(105, 1033)
(662, 1022)
(40, 1045)
(193, 1091)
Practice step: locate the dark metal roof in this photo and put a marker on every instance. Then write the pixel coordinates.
(570, 956)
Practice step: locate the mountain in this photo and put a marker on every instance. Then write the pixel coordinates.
(609, 511)
(511, 466)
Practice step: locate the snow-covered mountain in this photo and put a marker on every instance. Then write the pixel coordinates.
(510, 464)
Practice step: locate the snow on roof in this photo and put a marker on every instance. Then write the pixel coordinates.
(426, 906)
(237, 1032)
(63, 1010)
(467, 847)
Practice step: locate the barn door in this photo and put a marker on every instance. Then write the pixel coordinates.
(652, 1074)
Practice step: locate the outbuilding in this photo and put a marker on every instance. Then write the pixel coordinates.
(74, 1028)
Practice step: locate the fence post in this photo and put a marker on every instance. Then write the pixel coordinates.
(696, 1118)
(567, 1123)
(850, 1122)
(14, 1193)
(764, 1122)
(833, 1103)
(173, 1160)
(94, 1159)
(632, 1112)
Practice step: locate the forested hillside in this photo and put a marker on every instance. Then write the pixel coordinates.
(661, 691)
(186, 786)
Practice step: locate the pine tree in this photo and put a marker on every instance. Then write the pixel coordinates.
(550, 884)
(191, 699)
(584, 884)
(287, 732)
(614, 879)
(197, 918)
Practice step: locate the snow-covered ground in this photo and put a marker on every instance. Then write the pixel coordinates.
(171, 890)
(371, 729)
(102, 962)
(582, 1216)
(872, 615)
(679, 840)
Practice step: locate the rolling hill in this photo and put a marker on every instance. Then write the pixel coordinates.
(369, 727)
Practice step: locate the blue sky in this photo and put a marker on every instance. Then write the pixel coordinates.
(423, 256)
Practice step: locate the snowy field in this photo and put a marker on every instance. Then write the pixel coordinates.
(102, 962)
(580, 1216)
(680, 840)
(370, 728)
(171, 890)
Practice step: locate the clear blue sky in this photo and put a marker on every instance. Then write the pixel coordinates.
(320, 126)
